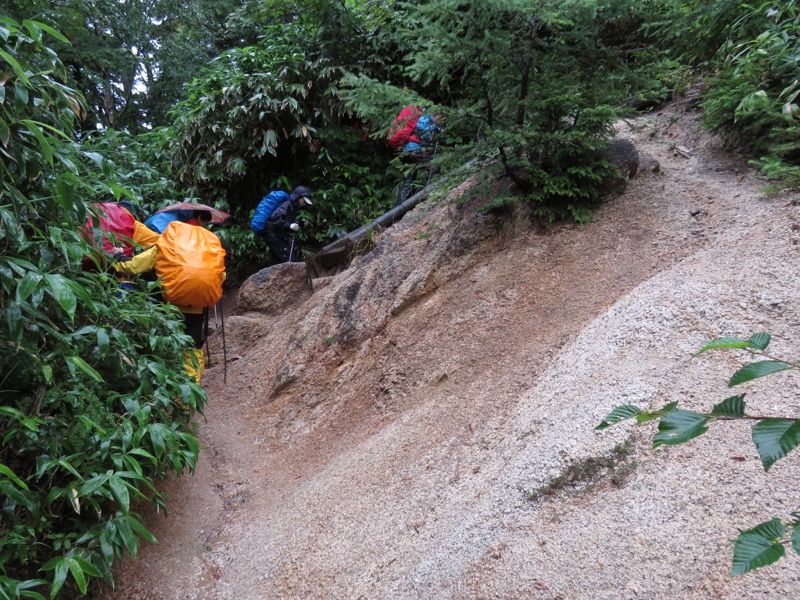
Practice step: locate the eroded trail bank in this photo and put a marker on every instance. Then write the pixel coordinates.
(400, 432)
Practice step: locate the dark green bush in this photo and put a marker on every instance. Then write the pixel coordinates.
(90, 406)
(752, 89)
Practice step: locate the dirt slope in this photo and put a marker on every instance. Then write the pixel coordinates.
(400, 432)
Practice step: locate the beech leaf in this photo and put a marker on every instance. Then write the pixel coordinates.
(730, 407)
(758, 547)
(678, 427)
(620, 413)
(774, 439)
(726, 342)
(758, 369)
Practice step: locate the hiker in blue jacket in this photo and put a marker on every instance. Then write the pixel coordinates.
(416, 153)
(275, 220)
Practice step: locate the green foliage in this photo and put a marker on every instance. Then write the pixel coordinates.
(269, 98)
(774, 438)
(529, 84)
(753, 89)
(92, 379)
(130, 59)
(694, 30)
(757, 69)
(351, 186)
(260, 91)
(781, 174)
(140, 165)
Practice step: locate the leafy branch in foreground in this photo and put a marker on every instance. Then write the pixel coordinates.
(92, 392)
(773, 437)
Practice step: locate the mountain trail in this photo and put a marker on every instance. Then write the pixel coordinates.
(422, 425)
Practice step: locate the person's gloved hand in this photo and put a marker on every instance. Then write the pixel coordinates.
(294, 227)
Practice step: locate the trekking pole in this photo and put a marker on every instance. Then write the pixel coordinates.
(430, 171)
(216, 326)
(206, 336)
(224, 347)
(291, 248)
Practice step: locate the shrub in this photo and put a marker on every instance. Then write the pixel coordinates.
(754, 87)
(92, 379)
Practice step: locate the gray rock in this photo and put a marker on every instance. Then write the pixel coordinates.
(273, 289)
(623, 155)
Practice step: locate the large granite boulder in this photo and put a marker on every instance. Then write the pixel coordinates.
(274, 289)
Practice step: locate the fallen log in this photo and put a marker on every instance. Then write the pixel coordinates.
(339, 251)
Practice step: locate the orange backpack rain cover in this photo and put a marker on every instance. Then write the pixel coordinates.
(191, 265)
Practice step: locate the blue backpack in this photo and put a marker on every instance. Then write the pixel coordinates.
(265, 209)
(159, 221)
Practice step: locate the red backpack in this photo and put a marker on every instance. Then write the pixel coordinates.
(110, 219)
(402, 128)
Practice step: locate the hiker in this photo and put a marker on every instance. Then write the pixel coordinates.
(274, 220)
(415, 129)
(190, 261)
(201, 218)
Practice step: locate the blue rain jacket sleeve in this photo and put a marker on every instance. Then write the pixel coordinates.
(265, 209)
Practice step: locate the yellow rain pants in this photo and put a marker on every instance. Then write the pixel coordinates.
(189, 359)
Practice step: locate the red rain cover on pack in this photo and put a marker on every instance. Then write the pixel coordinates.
(402, 128)
(110, 219)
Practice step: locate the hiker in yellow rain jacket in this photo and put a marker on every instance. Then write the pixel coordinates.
(192, 285)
